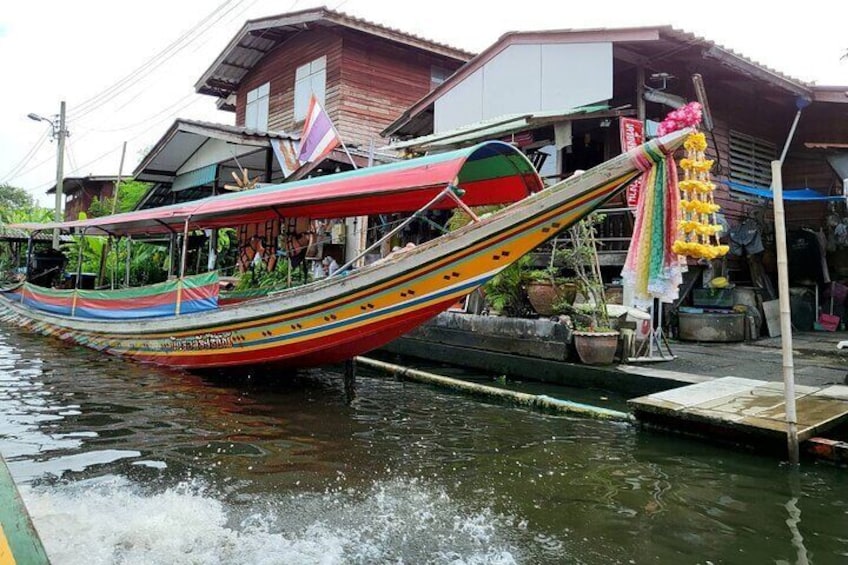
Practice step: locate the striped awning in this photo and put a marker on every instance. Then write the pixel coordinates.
(488, 173)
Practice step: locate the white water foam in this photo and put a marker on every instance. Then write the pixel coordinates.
(110, 520)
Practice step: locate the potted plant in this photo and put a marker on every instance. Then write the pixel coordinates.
(504, 292)
(547, 288)
(594, 338)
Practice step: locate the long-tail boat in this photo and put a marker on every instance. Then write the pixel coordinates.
(180, 323)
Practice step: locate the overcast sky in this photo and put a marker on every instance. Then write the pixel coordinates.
(83, 51)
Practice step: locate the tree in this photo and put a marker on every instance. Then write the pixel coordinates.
(14, 200)
(129, 194)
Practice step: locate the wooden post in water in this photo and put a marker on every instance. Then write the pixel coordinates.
(350, 378)
(785, 317)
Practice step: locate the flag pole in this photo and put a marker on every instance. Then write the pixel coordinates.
(360, 231)
(341, 141)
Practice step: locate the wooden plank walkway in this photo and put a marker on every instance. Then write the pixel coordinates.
(745, 407)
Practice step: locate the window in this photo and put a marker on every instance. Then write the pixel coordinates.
(309, 79)
(438, 75)
(750, 159)
(256, 110)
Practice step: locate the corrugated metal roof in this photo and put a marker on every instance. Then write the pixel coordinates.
(11, 234)
(494, 128)
(184, 137)
(257, 37)
(212, 127)
(73, 184)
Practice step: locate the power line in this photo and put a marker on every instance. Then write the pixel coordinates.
(26, 158)
(97, 98)
(131, 79)
(71, 160)
(140, 122)
(34, 167)
(109, 152)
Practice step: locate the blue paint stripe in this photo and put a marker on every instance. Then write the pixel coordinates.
(164, 310)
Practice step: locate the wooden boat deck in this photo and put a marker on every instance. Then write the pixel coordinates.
(733, 406)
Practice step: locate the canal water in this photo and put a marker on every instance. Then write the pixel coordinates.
(123, 463)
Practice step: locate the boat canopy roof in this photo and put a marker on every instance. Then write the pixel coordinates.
(489, 173)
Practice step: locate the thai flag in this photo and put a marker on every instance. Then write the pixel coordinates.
(319, 136)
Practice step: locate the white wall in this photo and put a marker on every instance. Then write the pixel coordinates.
(529, 78)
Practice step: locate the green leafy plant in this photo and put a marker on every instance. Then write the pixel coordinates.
(505, 292)
(581, 257)
(148, 262)
(278, 278)
(129, 194)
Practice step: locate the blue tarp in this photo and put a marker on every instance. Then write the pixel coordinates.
(797, 194)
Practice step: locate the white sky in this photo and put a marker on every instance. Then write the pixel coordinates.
(73, 51)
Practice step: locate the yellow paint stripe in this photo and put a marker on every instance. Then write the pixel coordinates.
(6, 557)
(565, 212)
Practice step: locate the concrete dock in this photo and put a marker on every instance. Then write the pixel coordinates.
(748, 409)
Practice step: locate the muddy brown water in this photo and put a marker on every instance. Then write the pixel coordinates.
(126, 463)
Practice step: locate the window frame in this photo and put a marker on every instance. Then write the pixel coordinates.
(309, 78)
(256, 107)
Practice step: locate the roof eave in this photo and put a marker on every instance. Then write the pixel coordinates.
(650, 33)
(740, 64)
(309, 16)
(832, 94)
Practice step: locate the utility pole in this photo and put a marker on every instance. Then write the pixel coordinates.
(58, 130)
(60, 165)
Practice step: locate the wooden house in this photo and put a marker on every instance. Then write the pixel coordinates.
(81, 192)
(564, 97)
(363, 74)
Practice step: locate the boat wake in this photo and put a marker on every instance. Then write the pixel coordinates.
(111, 520)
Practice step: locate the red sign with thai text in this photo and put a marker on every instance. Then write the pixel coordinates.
(632, 136)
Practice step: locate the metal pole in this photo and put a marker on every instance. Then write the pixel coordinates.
(389, 235)
(60, 176)
(789, 138)
(640, 94)
(184, 250)
(362, 221)
(79, 259)
(118, 180)
(30, 246)
(785, 317)
(171, 248)
(129, 259)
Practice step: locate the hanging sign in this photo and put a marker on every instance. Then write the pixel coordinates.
(632, 136)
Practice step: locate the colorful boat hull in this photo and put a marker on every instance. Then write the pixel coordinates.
(340, 317)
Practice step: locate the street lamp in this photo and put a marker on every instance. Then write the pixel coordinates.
(58, 132)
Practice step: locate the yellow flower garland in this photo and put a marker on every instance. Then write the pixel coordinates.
(698, 228)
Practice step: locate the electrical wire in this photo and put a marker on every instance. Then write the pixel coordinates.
(116, 148)
(96, 100)
(34, 167)
(30, 155)
(71, 160)
(144, 121)
(132, 79)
